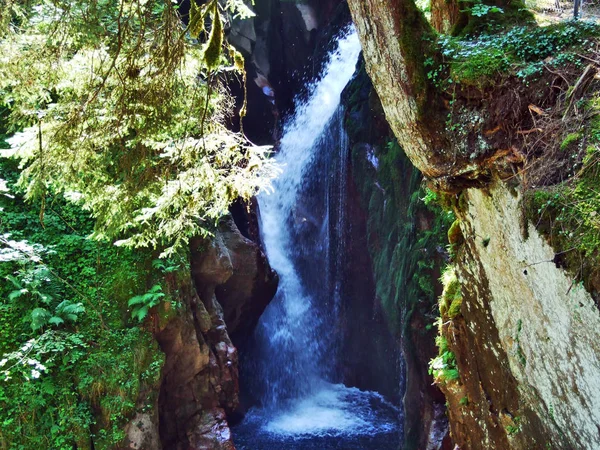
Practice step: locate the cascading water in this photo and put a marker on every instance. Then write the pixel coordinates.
(295, 368)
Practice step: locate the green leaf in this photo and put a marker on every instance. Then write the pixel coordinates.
(16, 294)
(39, 318)
(140, 313)
(137, 300)
(16, 283)
(55, 320)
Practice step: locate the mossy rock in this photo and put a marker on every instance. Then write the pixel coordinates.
(455, 235)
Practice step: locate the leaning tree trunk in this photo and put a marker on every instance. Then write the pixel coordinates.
(399, 49)
(393, 34)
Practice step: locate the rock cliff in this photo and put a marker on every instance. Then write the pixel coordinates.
(227, 287)
(518, 353)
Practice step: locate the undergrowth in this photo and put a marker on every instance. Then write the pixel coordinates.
(72, 359)
(568, 213)
(522, 51)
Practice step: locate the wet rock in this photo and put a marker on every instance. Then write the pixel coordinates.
(200, 384)
(243, 281)
(142, 433)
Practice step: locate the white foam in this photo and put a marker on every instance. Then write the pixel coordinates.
(334, 410)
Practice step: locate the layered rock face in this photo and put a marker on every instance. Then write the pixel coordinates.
(230, 285)
(527, 345)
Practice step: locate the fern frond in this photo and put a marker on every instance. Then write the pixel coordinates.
(39, 318)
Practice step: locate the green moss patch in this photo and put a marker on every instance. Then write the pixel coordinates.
(483, 60)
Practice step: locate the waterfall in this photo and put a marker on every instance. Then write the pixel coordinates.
(295, 364)
(292, 328)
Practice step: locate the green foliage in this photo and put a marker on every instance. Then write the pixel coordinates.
(481, 9)
(443, 367)
(63, 323)
(123, 112)
(568, 213)
(451, 299)
(514, 429)
(143, 303)
(64, 312)
(483, 60)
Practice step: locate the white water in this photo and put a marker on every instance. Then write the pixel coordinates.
(291, 325)
(331, 411)
(302, 397)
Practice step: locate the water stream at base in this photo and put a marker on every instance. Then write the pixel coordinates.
(294, 367)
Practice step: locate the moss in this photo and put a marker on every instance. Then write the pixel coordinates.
(482, 59)
(212, 49)
(455, 235)
(451, 299)
(404, 279)
(454, 309)
(570, 139)
(480, 69)
(415, 43)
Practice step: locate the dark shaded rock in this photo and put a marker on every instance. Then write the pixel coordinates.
(385, 183)
(284, 46)
(246, 294)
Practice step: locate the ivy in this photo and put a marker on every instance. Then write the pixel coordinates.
(482, 60)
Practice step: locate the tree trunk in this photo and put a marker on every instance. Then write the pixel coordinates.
(396, 41)
(445, 14)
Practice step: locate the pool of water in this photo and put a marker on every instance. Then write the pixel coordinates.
(332, 417)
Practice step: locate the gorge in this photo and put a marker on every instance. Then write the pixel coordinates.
(414, 264)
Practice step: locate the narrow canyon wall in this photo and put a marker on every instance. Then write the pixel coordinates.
(527, 344)
(230, 282)
(405, 241)
(223, 294)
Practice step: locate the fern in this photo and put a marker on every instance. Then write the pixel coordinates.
(143, 303)
(39, 318)
(66, 311)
